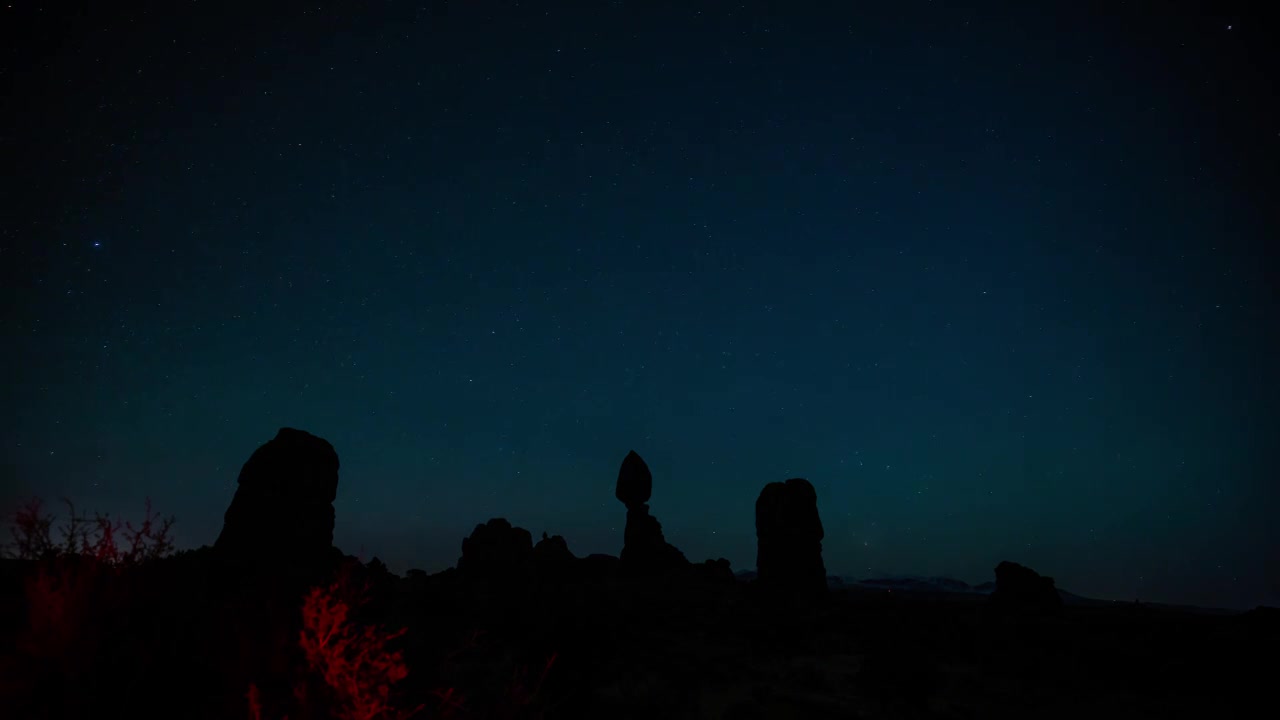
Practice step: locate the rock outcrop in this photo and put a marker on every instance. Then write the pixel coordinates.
(718, 571)
(276, 541)
(551, 556)
(496, 549)
(789, 539)
(282, 511)
(644, 548)
(1021, 590)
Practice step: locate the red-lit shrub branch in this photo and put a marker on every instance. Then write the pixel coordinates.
(359, 669)
(354, 661)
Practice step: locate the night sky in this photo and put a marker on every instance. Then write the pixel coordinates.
(997, 279)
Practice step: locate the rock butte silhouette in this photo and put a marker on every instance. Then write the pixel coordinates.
(789, 538)
(1022, 590)
(518, 630)
(283, 505)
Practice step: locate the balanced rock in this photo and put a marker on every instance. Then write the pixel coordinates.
(643, 546)
(635, 482)
(283, 506)
(1021, 590)
(789, 538)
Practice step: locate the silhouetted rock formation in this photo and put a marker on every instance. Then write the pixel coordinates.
(1022, 590)
(789, 538)
(643, 546)
(379, 569)
(635, 482)
(282, 511)
(524, 631)
(600, 565)
(382, 582)
(496, 549)
(551, 556)
(718, 570)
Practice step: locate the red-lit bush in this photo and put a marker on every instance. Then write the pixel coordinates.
(354, 660)
(69, 581)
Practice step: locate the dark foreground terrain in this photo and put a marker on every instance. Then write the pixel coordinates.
(650, 648)
(273, 622)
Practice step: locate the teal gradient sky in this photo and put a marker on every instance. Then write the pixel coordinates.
(998, 281)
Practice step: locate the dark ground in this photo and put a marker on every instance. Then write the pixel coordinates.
(181, 636)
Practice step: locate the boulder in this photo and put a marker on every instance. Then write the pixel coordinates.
(635, 482)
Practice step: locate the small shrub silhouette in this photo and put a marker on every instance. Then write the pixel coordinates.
(31, 533)
(32, 536)
(69, 583)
